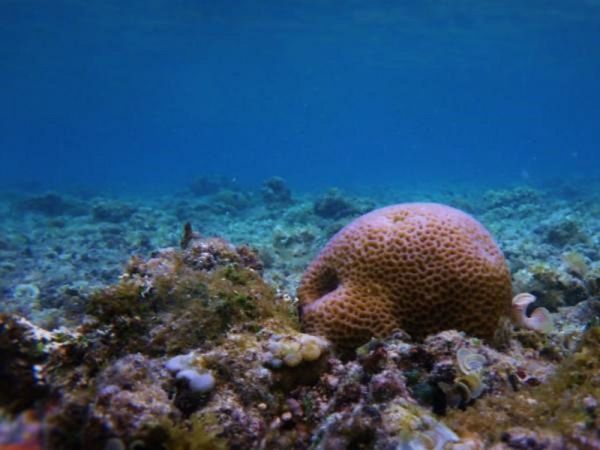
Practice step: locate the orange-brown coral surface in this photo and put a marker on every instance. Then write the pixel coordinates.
(420, 267)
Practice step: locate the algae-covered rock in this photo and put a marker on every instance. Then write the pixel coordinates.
(132, 393)
(249, 389)
(275, 192)
(192, 349)
(230, 201)
(567, 231)
(112, 211)
(553, 286)
(21, 350)
(592, 279)
(210, 184)
(564, 410)
(334, 205)
(51, 204)
(183, 299)
(511, 197)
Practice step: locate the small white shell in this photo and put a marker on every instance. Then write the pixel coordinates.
(469, 362)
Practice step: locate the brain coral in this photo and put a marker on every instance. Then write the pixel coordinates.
(420, 267)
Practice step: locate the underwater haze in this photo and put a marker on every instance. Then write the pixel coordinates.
(139, 95)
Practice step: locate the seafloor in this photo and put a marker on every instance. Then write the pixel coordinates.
(118, 333)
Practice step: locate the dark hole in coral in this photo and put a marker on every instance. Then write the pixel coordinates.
(187, 400)
(328, 282)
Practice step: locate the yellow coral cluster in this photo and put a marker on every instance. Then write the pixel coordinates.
(291, 350)
(420, 267)
(469, 384)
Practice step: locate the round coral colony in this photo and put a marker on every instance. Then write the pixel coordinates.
(418, 267)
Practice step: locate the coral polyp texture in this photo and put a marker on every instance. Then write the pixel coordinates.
(419, 267)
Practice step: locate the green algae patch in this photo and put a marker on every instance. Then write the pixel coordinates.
(187, 299)
(565, 406)
(202, 433)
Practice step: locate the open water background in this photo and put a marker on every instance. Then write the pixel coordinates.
(146, 95)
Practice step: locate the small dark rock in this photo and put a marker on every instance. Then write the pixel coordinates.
(187, 236)
(207, 185)
(50, 204)
(275, 192)
(20, 387)
(566, 232)
(188, 401)
(333, 205)
(348, 393)
(522, 439)
(386, 385)
(250, 258)
(374, 361)
(4, 245)
(228, 201)
(114, 212)
(442, 371)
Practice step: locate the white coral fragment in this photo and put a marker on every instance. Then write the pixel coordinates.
(469, 361)
(540, 319)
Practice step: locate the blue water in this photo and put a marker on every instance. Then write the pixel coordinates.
(149, 94)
